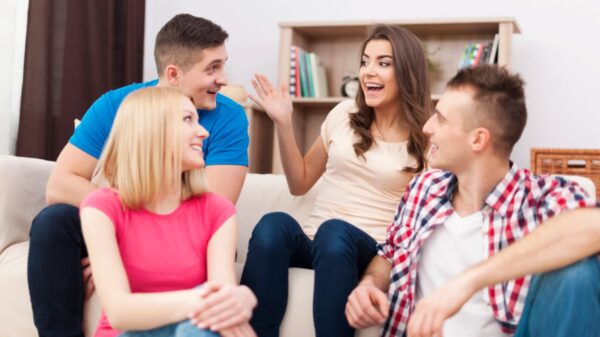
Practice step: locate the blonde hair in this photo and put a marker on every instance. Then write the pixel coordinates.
(142, 156)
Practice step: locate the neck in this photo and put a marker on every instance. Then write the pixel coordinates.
(388, 117)
(166, 202)
(476, 183)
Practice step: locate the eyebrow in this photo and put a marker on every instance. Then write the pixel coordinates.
(378, 57)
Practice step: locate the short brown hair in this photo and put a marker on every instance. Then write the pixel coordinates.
(500, 97)
(183, 35)
(410, 67)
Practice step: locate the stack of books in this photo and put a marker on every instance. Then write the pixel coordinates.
(307, 74)
(479, 53)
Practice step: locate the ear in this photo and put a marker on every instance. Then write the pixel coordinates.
(481, 138)
(173, 75)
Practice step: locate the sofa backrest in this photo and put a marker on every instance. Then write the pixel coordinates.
(265, 193)
(22, 196)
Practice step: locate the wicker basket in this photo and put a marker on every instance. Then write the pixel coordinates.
(585, 163)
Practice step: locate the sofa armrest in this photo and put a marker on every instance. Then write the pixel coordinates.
(22, 196)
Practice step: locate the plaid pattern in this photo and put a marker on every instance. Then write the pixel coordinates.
(518, 204)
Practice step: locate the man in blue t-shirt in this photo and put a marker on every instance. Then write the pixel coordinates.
(190, 55)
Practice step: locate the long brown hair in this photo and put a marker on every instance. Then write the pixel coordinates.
(410, 66)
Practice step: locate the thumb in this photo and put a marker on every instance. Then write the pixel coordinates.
(380, 299)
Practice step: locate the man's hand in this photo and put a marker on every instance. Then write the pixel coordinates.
(88, 280)
(223, 306)
(431, 311)
(367, 306)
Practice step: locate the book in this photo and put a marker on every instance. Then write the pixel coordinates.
(494, 50)
(303, 75)
(309, 76)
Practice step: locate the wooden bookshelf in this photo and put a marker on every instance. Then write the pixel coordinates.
(338, 46)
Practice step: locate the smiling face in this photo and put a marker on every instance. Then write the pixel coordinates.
(450, 139)
(205, 78)
(192, 135)
(377, 75)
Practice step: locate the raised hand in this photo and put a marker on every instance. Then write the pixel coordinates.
(276, 102)
(222, 306)
(367, 306)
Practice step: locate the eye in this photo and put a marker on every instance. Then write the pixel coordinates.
(188, 118)
(363, 62)
(385, 64)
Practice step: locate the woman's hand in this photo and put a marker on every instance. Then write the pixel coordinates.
(222, 306)
(242, 330)
(276, 102)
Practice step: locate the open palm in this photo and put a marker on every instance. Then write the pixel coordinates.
(276, 102)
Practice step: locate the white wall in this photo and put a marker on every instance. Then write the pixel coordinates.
(558, 53)
(13, 26)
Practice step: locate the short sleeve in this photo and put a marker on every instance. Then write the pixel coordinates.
(91, 134)
(220, 208)
(105, 200)
(228, 139)
(339, 114)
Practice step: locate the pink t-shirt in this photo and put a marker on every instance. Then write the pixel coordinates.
(162, 252)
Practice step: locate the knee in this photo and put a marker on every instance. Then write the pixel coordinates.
(333, 238)
(55, 221)
(580, 275)
(271, 231)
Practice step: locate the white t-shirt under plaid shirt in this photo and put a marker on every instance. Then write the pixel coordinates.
(518, 204)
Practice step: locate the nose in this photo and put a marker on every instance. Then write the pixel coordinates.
(221, 79)
(428, 127)
(201, 132)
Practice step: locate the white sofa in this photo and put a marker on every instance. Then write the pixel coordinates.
(22, 184)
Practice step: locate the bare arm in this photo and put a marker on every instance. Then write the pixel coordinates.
(124, 309)
(226, 180)
(70, 180)
(301, 172)
(560, 241)
(368, 304)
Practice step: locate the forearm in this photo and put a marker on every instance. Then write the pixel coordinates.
(291, 159)
(144, 311)
(378, 273)
(68, 189)
(560, 241)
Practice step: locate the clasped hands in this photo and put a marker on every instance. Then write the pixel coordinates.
(224, 308)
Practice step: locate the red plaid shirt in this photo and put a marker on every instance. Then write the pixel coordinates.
(516, 207)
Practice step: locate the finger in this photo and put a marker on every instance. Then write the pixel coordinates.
(438, 324)
(358, 317)
(257, 87)
(382, 303)
(89, 288)
(256, 99)
(285, 90)
(229, 319)
(247, 330)
(351, 317)
(266, 84)
(414, 324)
(368, 306)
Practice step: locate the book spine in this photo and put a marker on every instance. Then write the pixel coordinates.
(292, 71)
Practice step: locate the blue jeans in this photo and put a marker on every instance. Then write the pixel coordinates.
(54, 273)
(564, 302)
(339, 255)
(181, 329)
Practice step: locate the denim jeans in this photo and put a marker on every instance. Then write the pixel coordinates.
(339, 255)
(564, 302)
(181, 329)
(54, 273)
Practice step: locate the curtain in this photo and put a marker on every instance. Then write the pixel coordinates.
(75, 51)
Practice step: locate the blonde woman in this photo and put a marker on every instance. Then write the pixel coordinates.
(154, 235)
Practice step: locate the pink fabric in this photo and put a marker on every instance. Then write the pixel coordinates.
(162, 252)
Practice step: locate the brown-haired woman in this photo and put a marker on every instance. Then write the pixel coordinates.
(367, 152)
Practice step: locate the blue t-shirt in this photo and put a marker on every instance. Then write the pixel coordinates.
(227, 143)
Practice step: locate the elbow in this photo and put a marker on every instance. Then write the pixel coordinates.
(116, 319)
(297, 192)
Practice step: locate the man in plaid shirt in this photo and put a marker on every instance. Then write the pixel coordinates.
(464, 243)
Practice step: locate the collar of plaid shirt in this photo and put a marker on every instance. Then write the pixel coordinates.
(518, 204)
